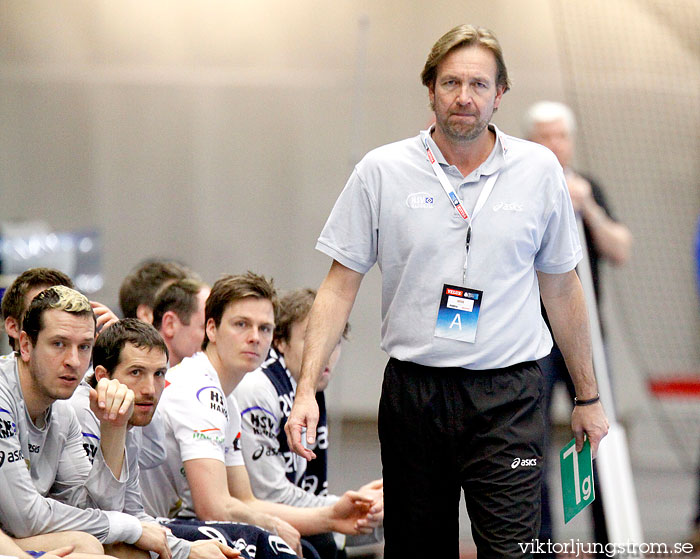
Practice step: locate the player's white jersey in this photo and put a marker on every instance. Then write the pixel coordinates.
(200, 421)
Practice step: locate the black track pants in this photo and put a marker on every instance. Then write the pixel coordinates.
(442, 430)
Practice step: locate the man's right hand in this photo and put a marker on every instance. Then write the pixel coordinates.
(154, 538)
(304, 415)
(112, 402)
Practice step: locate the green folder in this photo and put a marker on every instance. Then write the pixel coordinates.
(576, 478)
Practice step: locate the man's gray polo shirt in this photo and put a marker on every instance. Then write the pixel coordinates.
(393, 211)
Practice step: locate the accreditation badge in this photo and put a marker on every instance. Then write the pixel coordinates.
(458, 313)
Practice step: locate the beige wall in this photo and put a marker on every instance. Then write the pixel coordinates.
(221, 132)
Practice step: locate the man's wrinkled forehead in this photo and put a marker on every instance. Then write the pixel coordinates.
(70, 324)
(132, 354)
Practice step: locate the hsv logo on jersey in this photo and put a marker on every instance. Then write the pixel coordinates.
(8, 428)
(262, 421)
(91, 443)
(214, 399)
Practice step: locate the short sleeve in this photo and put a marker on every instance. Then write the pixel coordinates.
(560, 248)
(350, 235)
(199, 418)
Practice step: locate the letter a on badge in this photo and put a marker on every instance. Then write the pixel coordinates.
(456, 320)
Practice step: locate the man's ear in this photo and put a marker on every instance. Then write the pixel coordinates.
(211, 330)
(500, 91)
(25, 346)
(12, 327)
(100, 373)
(145, 313)
(280, 345)
(169, 323)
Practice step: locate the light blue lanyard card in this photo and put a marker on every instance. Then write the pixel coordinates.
(458, 313)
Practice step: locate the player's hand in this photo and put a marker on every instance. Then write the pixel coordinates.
(375, 491)
(60, 552)
(211, 549)
(154, 538)
(112, 402)
(286, 531)
(348, 511)
(105, 317)
(592, 421)
(304, 415)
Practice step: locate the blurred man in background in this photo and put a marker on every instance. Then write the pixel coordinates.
(553, 125)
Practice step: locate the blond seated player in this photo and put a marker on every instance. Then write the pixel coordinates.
(48, 483)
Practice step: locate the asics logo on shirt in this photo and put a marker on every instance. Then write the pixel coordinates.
(263, 451)
(11, 456)
(507, 207)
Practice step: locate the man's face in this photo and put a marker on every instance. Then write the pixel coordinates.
(556, 136)
(187, 338)
(61, 356)
(465, 94)
(143, 370)
(293, 350)
(244, 335)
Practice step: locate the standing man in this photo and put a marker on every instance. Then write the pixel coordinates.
(553, 125)
(469, 226)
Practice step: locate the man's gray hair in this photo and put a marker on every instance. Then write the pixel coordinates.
(548, 111)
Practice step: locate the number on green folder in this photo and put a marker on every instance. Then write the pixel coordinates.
(576, 478)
